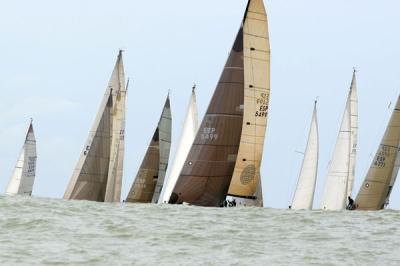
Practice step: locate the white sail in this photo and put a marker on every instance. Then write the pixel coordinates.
(304, 194)
(98, 174)
(189, 130)
(354, 134)
(341, 168)
(23, 177)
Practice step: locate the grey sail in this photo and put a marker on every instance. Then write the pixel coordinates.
(377, 185)
(150, 177)
(98, 174)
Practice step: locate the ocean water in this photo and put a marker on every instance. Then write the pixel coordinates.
(40, 231)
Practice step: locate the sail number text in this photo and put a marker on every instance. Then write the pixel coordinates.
(209, 133)
(262, 102)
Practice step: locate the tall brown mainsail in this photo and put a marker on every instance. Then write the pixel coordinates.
(98, 174)
(379, 181)
(208, 170)
(150, 177)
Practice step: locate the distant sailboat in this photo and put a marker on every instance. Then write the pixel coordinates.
(227, 151)
(23, 177)
(340, 179)
(98, 173)
(150, 177)
(304, 194)
(189, 130)
(377, 186)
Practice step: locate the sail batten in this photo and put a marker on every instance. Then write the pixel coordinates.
(304, 194)
(98, 174)
(23, 176)
(377, 186)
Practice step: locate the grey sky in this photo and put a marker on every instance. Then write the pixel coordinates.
(57, 57)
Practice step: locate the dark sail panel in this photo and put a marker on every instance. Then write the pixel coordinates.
(207, 172)
(150, 177)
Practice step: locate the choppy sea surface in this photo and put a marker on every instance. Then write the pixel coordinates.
(40, 231)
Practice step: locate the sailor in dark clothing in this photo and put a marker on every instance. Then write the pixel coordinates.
(351, 205)
(234, 203)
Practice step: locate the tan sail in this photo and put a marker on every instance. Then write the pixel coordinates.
(242, 91)
(98, 174)
(256, 53)
(376, 187)
(150, 177)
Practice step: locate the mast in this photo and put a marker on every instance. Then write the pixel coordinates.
(304, 194)
(235, 116)
(376, 188)
(98, 174)
(189, 130)
(150, 177)
(23, 176)
(340, 176)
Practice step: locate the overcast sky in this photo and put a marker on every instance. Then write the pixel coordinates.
(56, 58)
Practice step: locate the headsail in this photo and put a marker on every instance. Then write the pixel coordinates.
(246, 175)
(150, 177)
(98, 174)
(23, 177)
(304, 194)
(376, 188)
(340, 177)
(189, 130)
(235, 117)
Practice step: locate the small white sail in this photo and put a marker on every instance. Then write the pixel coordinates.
(23, 177)
(189, 130)
(341, 169)
(304, 194)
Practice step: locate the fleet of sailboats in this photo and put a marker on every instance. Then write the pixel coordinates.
(23, 176)
(218, 161)
(304, 194)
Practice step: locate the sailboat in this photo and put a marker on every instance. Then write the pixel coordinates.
(304, 194)
(23, 177)
(340, 178)
(375, 190)
(98, 173)
(150, 177)
(189, 130)
(227, 150)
